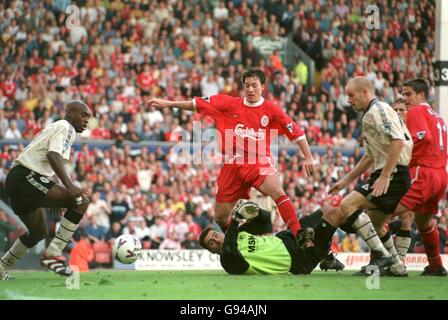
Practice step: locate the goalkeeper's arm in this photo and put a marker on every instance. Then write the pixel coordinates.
(262, 224)
(231, 259)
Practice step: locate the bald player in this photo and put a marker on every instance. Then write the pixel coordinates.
(30, 190)
(388, 151)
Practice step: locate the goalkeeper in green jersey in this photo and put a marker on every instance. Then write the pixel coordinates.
(243, 249)
(248, 247)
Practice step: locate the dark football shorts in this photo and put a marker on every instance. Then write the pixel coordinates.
(399, 185)
(26, 189)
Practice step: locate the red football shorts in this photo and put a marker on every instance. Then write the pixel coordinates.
(235, 180)
(428, 187)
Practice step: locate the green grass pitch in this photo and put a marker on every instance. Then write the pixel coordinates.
(216, 285)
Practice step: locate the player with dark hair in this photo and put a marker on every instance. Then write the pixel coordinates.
(400, 107)
(428, 173)
(243, 250)
(30, 189)
(245, 128)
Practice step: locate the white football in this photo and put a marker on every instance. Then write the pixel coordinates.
(127, 249)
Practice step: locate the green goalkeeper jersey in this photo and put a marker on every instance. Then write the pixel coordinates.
(264, 254)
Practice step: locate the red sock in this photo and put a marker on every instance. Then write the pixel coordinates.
(288, 213)
(430, 239)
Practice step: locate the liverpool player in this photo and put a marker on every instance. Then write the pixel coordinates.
(246, 127)
(428, 174)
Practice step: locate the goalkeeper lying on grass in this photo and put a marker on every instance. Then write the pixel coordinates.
(248, 247)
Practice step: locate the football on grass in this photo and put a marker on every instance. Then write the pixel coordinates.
(127, 249)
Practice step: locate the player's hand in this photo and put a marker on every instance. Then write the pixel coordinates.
(308, 166)
(380, 186)
(338, 187)
(247, 209)
(159, 103)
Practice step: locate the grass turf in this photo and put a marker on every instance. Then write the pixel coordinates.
(216, 285)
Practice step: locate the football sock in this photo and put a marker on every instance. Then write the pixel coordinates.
(288, 213)
(68, 226)
(388, 243)
(364, 228)
(430, 239)
(402, 243)
(323, 235)
(15, 253)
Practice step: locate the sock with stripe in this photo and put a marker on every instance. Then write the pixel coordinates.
(431, 241)
(388, 243)
(69, 224)
(402, 243)
(15, 253)
(288, 213)
(364, 228)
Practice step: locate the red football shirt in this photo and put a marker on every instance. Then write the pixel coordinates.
(429, 134)
(247, 129)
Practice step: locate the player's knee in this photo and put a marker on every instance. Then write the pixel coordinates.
(406, 220)
(81, 208)
(347, 209)
(222, 220)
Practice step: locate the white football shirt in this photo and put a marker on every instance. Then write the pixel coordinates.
(57, 137)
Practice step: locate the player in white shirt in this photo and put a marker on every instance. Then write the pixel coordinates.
(30, 190)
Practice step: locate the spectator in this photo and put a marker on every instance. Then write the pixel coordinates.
(350, 243)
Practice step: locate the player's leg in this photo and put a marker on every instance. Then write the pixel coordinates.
(403, 236)
(272, 187)
(35, 222)
(379, 220)
(58, 197)
(351, 207)
(430, 237)
(223, 211)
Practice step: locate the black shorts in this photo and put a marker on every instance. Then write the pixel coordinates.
(26, 189)
(303, 261)
(398, 187)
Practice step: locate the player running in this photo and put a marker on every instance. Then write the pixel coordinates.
(30, 189)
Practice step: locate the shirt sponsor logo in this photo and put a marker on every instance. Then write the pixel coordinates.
(264, 120)
(245, 132)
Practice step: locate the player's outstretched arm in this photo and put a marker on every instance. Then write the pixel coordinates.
(57, 164)
(360, 168)
(162, 103)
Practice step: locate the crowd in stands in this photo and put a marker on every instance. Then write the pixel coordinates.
(118, 54)
(121, 53)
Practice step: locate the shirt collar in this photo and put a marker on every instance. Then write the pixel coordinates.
(256, 104)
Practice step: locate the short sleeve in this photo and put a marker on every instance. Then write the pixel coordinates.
(212, 106)
(286, 125)
(59, 141)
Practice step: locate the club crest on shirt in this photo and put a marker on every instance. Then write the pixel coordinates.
(421, 135)
(289, 126)
(264, 120)
(206, 98)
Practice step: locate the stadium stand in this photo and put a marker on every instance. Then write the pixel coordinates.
(125, 52)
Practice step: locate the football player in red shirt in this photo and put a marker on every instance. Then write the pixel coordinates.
(245, 128)
(428, 174)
